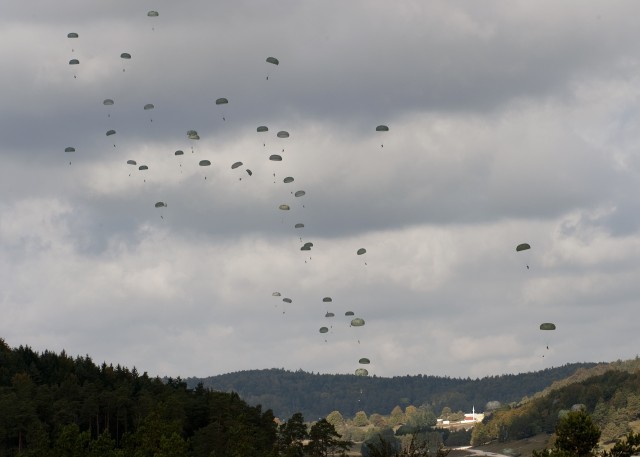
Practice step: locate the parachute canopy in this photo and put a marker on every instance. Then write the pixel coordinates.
(324, 330)
(523, 247)
(282, 134)
(74, 62)
(70, 149)
(205, 163)
(287, 300)
(262, 128)
(299, 193)
(179, 152)
(361, 251)
(72, 35)
(161, 205)
(236, 165)
(149, 106)
(143, 167)
(111, 132)
(287, 180)
(276, 294)
(193, 135)
(299, 225)
(125, 55)
(131, 162)
(273, 60)
(222, 101)
(349, 313)
(107, 102)
(357, 322)
(364, 361)
(327, 299)
(153, 14)
(382, 128)
(547, 326)
(275, 157)
(329, 315)
(284, 207)
(362, 372)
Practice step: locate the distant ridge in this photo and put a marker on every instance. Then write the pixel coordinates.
(316, 395)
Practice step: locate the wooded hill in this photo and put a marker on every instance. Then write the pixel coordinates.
(316, 395)
(609, 393)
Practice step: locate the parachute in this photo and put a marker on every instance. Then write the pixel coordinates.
(72, 35)
(111, 132)
(148, 107)
(276, 294)
(70, 149)
(125, 56)
(329, 315)
(153, 14)
(74, 62)
(273, 60)
(364, 361)
(524, 247)
(382, 128)
(357, 322)
(287, 180)
(282, 134)
(131, 162)
(299, 193)
(275, 157)
(299, 225)
(287, 300)
(222, 101)
(204, 163)
(361, 251)
(236, 165)
(327, 299)
(179, 152)
(547, 326)
(161, 205)
(262, 128)
(349, 313)
(192, 135)
(362, 372)
(324, 330)
(143, 167)
(284, 207)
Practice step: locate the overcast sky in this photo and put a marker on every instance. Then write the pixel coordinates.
(509, 122)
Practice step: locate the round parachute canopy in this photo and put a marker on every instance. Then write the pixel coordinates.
(362, 372)
(284, 207)
(282, 134)
(329, 315)
(309, 244)
(107, 102)
(349, 313)
(149, 106)
(204, 163)
(305, 248)
(327, 299)
(161, 205)
(275, 157)
(382, 128)
(192, 135)
(249, 172)
(70, 149)
(299, 225)
(262, 128)
(222, 101)
(236, 165)
(111, 132)
(74, 62)
(357, 322)
(299, 193)
(287, 180)
(132, 162)
(287, 300)
(153, 14)
(125, 55)
(143, 167)
(72, 35)
(361, 251)
(523, 247)
(179, 152)
(276, 294)
(364, 361)
(547, 326)
(324, 330)
(273, 60)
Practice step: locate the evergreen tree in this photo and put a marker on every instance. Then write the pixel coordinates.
(324, 441)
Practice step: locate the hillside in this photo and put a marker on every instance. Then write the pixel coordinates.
(316, 395)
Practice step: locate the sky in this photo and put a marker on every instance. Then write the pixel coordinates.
(509, 122)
